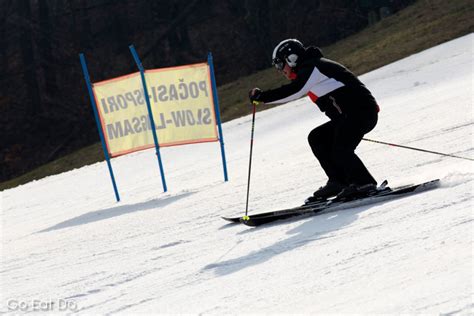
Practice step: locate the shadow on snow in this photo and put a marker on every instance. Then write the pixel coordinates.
(104, 214)
(316, 228)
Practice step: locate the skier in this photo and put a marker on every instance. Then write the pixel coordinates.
(350, 106)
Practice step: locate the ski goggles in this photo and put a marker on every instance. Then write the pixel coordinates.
(278, 63)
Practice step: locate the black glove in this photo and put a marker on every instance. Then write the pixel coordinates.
(254, 95)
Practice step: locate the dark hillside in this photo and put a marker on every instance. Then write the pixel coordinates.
(64, 120)
(420, 26)
(44, 108)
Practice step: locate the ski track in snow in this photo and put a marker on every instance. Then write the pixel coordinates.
(64, 237)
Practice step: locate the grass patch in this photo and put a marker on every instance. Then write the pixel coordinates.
(84, 156)
(424, 24)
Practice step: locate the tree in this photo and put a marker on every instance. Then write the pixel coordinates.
(28, 57)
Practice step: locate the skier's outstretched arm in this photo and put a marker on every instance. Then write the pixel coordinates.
(294, 90)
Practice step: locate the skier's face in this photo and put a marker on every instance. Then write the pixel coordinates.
(288, 72)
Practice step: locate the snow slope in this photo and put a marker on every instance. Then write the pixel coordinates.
(66, 240)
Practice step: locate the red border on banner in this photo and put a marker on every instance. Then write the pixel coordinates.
(125, 152)
(177, 67)
(116, 79)
(213, 101)
(102, 123)
(140, 148)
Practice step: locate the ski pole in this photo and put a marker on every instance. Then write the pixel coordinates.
(250, 160)
(417, 149)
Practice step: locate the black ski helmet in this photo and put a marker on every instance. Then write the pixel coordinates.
(287, 51)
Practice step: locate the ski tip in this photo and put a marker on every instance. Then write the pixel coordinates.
(231, 219)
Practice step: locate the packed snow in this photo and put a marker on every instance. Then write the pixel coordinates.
(68, 246)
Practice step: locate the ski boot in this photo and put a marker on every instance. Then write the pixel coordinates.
(354, 192)
(332, 188)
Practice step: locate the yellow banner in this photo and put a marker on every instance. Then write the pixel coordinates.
(182, 105)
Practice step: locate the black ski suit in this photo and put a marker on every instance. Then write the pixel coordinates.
(350, 106)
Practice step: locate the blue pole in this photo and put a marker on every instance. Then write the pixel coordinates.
(218, 114)
(99, 126)
(152, 121)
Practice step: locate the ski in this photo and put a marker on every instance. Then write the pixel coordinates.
(305, 206)
(334, 205)
(297, 208)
